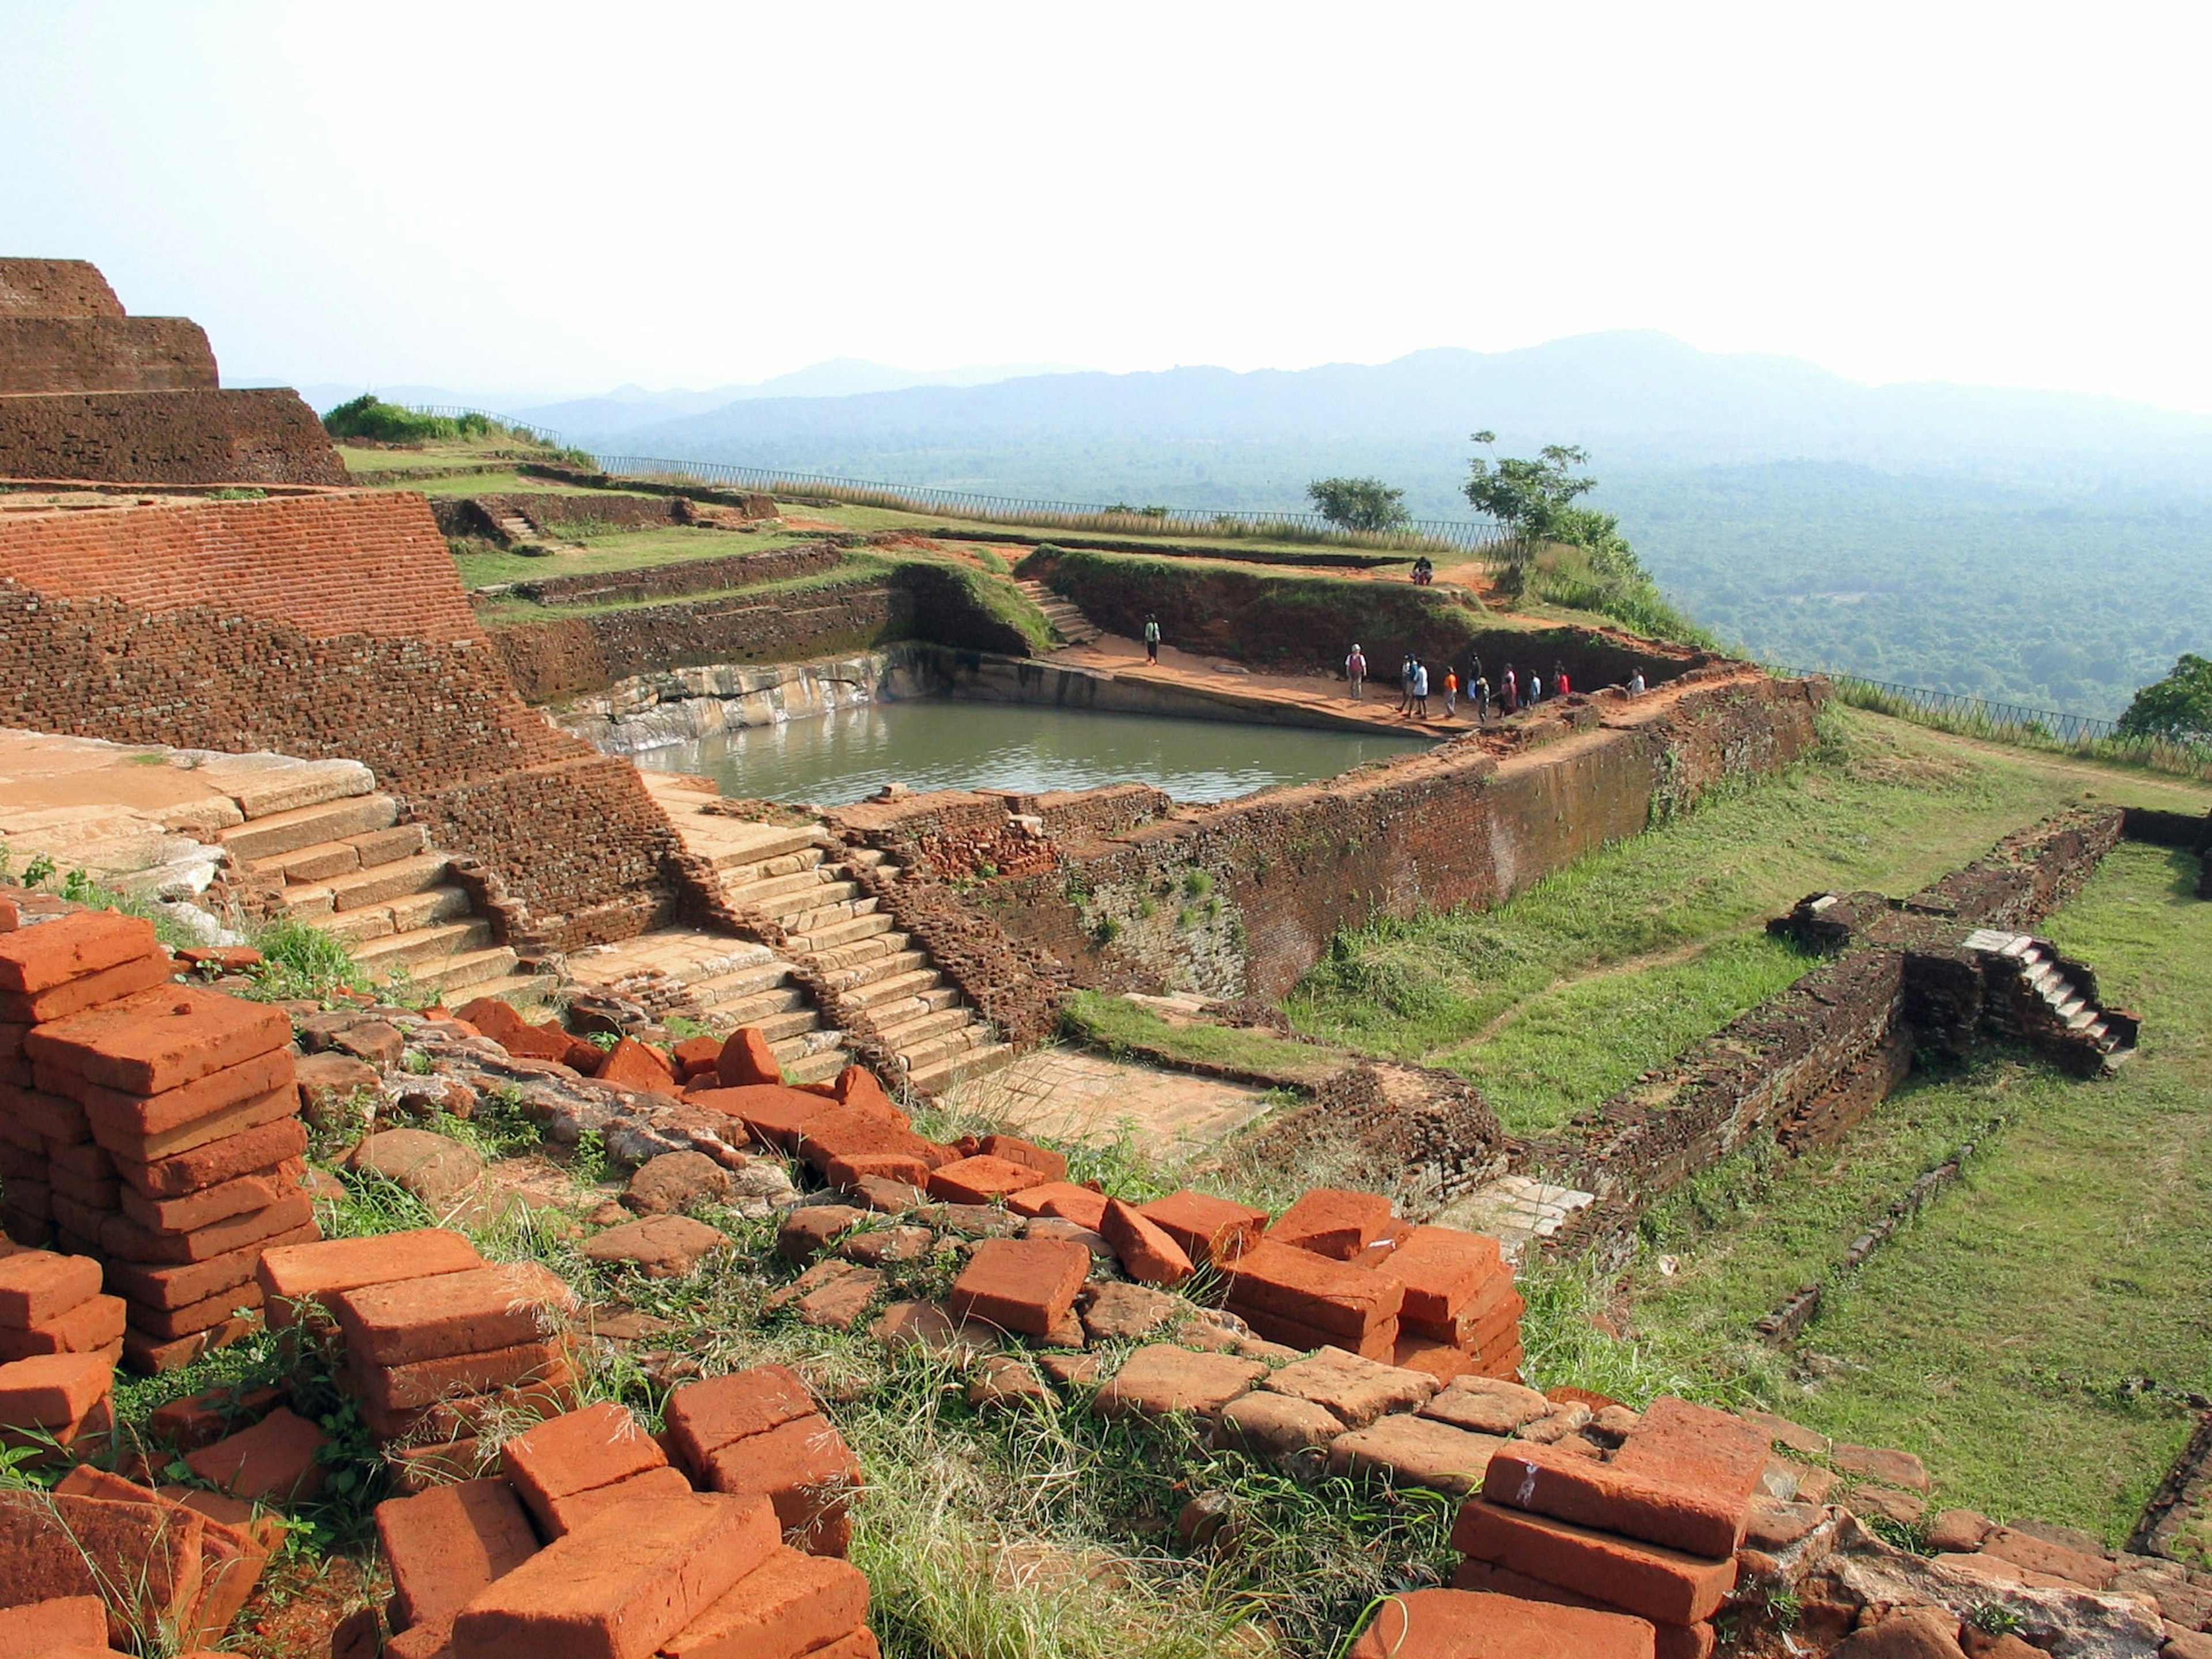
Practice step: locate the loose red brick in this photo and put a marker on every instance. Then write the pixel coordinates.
(562, 1515)
(252, 1136)
(108, 985)
(1025, 1284)
(1442, 1269)
(445, 1546)
(621, 1584)
(806, 1469)
(145, 1354)
(393, 1389)
(36, 959)
(979, 1180)
(1439, 1360)
(1148, 1254)
(856, 1085)
(36, 1285)
(1683, 1444)
(1378, 1342)
(275, 1460)
(147, 1555)
(1080, 1204)
(47, 1116)
(159, 1039)
(193, 1282)
(417, 1469)
(233, 1552)
(698, 1053)
(239, 1195)
(469, 1312)
(50, 1391)
(632, 1064)
(1331, 1221)
(1648, 1580)
(748, 1059)
(125, 1240)
(1451, 1623)
(495, 1019)
(144, 1116)
(573, 1453)
(544, 1393)
(704, 1417)
(793, 1604)
(1312, 1290)
(1546, 1480)
(1160, 1378)
(40, 1627)
(853, 1130)
(1671, 1641)
(93, 1325)
(1209, 1229)
(771, 1113)
(300, 1273)
(860, 1644)
(201, 1419)
(1052, 1165)
(167, 1324)
(1496, 1307)
(849, 1172)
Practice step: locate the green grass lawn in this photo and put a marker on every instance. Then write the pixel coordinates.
(1116, 1023)
(1881, 804)
(1997, 1334)
(627, 550)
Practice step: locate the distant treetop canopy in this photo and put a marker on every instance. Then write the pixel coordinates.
(2178, 707)
(370, 418)
(1357, 503)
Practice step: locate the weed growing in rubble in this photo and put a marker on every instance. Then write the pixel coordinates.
(303, 962)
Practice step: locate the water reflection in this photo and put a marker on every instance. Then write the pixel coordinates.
(850, 753)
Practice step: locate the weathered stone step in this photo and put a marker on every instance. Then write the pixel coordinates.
(872, 948)
(874, 970)
(909, 1035)
(474, 971)
(829, 922)
(388, 882)
(778, 1027)
(429, 907)
(423, 944)
(894, 987)
(309, 826)
(905, 1010)
(521, 992)
(973, 1063)
(762, 892)
(793, 909)
(735, 869)
(745, 985)
(326, 858)
(816, 1067)
(762, 1006)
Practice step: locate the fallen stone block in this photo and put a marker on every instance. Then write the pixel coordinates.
(1414, 1452)
(658, 1246)
(809, 1231)
(1278, 1427)
(621, 1584)
(1157, 1380)
(980, 1180)
(1356, 1391)
(1113, 1311)
(632, 1065)
(1027, 1284)
(747, 1059)
(435, 1168)
(677, 1181)
(1002, 1382)
(1890, 1469)
(1484, 1405)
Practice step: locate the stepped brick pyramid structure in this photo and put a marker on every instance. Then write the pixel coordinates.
(87, 392)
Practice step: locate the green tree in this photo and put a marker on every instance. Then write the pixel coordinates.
(2178, 707)
(1357, 503)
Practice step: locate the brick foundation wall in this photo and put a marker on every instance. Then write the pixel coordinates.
(682, 576)
(55, 287)
(1455, 826)
(103, 354)
(196, 437)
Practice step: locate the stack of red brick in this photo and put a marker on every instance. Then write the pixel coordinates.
(1651, 1531)
(436, 1340)
(592, 1541)
(166, 1119)
(52, 1304)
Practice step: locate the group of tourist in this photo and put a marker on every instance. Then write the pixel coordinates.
(1512, 694)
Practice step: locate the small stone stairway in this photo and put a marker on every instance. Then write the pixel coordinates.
(1070, 623)
(2076, 1014)
(806, 887)
(514, 527)
(346, 865)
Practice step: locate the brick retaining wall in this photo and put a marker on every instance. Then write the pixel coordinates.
(266, 436)
(682, 576)
(103, 354)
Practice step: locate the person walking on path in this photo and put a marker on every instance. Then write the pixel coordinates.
(1151, 639)
(1535, 689)
(1421, 690)
(1636, 682)
(1478, 693)
(1558, 679)
(1406, 684)
(1509, 693)
(1451, 692)
(1355, 670)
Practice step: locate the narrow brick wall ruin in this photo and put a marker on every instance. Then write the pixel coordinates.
(55, 287)
(203, 436)
(105, 354)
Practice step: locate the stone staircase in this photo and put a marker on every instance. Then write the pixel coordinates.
(2076, 1013)
(1070, 623)
(343, 863)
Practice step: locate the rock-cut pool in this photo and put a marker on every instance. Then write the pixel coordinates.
(848, 754)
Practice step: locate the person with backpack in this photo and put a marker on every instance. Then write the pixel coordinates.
(1355, 670)
(1152, 640)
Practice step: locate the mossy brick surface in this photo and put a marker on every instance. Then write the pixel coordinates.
(806, 1469)
(53, 1391)
(273, 1460)
(1024, 1284)
(1562, 1483)
(1451, 1623)
(1333, 1222)
(980, 1180)
(1649, 1580)
(159, 1039)
(702, 1418)
(572, 1453)
(145, 1116)
(317, 1272)
(250, 1135)
(1312, 1290)
(1209, 1229)
(108, 985)
(473, 1311)
(35, 959)
(622, 1583)
(443, 1545)
(792, 1603)
(38, 1285)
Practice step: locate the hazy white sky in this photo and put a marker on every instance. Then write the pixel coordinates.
(549, 198)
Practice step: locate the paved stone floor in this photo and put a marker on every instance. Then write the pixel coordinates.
(1074, 1095)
